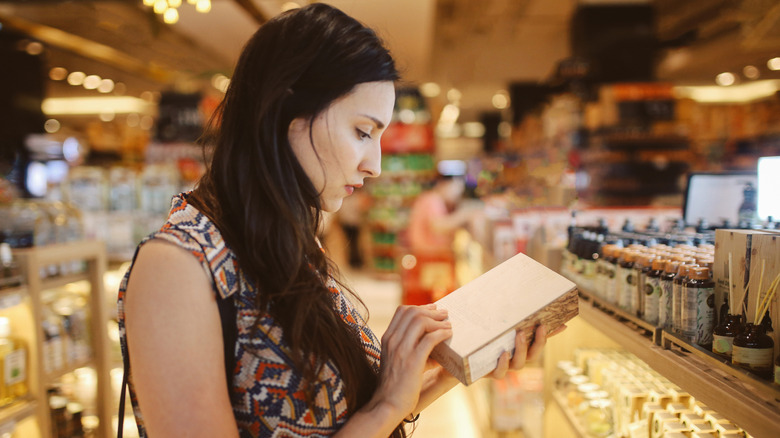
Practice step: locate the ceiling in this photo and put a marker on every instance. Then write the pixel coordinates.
(477, 47)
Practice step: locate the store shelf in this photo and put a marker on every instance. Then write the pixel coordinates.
(51, 378)
(18, 411)
(62, 280)
(560, 400)
(749, 404)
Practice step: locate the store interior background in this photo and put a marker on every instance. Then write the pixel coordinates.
(550, 110)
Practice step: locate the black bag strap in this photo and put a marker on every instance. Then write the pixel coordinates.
(228, 316)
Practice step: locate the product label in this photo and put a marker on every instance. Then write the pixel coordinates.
(754, 358)
(652, 295)
(698, 314)
(665, 305)
(676, 307)
(626, 290)
(15, 367)
(722, 344)
(53, 351)
(610, 286)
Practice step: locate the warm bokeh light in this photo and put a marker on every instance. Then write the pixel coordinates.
(171, 16)
(34, 48)
(76, 78)
(106, 86)
(751, 72)
(58, 74)
(454, 95)
(174, 3)
(51, 126)
(725, 79)
(160, 6)
(203, 6)
(91, 82)
(500, 100)
(773, 64)
(430, 89)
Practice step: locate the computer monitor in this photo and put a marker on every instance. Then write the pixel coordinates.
(718, 197)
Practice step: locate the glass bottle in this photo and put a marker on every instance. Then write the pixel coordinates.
(10, 274)
(611, 270)
(753, 350)
(652, 291)
(678, 286)
(724, 333)
(626, 279)
(747, 210)
(697, 312)
(13, 365)
(665, 298)
(645, 266)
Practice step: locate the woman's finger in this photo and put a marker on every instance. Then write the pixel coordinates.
(540, 339)
(405, 317)
(502, 367)
(521, 351)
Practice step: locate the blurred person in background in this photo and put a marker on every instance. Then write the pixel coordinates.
(232, 319)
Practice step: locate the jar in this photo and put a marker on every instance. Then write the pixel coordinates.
(724, 333)
(665, 299)
(753, 350)
(626, 279)
(598, 419)
(697, 312)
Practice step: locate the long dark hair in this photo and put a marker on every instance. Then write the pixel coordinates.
(259, 196)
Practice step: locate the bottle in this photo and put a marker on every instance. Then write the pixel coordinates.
(645, 266)
(10, 274)
(753, 350)
(678, 286)
(777, 370)
(697, 312)
(652, 291)
(723, 335)
(747, 210)
(13, 365)
(665, 298)
(626, 279)
(610, 273)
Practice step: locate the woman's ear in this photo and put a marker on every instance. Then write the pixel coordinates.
(297, 126)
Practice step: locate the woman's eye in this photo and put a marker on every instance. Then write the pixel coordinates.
(363, 135)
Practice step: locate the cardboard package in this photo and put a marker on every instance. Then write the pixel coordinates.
(486, 313)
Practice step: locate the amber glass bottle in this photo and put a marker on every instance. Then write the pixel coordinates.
(626, 279)
(724, 333)
(665, 299)
(678, 285)
(652, 291)
(753, 350)
(697, 312)
(610, 273)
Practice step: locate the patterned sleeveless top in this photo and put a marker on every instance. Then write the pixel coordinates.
(267, 391)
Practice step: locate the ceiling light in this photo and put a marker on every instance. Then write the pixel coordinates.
(192, 2)
(95, 105)
(160, 6)
(725, 79)
(174, 3)
(91, 82)
(76, 78)
(106, 86)
(741, 93)
(454, 95)
(751, 72)
(171, 16)
(287, 6)
(58, 74)
(430, 89)
(149, 2)
(773, 64)
(500, 100)
(203, 6)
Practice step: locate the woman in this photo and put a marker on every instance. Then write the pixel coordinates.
(299, 130)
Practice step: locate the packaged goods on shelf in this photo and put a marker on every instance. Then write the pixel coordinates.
(10, 273)
(13, 365)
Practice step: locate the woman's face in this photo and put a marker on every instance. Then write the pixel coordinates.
(346, 141)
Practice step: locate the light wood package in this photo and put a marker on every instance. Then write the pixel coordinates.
(486, 313)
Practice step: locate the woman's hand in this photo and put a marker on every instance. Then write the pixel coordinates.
(523, 352)
(411, 336)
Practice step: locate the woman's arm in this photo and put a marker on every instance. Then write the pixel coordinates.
(174, 338)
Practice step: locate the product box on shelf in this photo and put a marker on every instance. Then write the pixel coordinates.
(486, 314)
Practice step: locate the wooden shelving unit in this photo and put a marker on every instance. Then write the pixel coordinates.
(28, 320)
(748, 402)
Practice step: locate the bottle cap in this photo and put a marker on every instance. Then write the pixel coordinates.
(699, 273)
(683, 269)
(659, 264)
(671, 266)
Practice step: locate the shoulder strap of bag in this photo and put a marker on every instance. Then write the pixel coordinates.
(228, 316)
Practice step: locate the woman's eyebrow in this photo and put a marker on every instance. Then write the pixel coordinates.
(376, 121)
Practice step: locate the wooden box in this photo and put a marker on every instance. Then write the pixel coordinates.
(486, 313)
